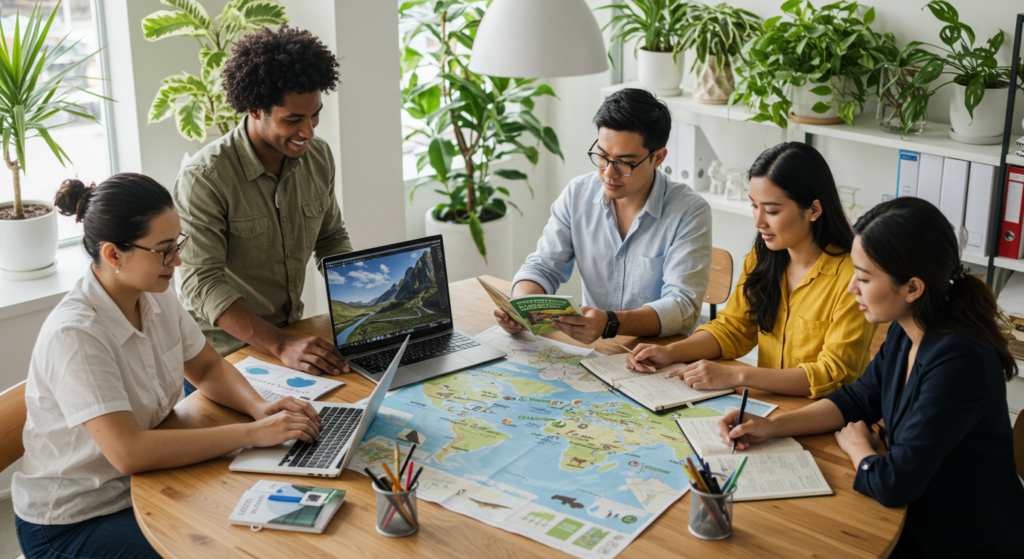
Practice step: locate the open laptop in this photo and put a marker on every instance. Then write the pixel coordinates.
(343, 428)
(379, 295)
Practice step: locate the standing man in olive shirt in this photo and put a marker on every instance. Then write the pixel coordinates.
(260, 201)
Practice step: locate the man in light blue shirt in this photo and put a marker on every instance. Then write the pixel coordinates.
(643, 243)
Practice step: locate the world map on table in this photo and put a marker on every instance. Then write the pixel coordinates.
(536, 445)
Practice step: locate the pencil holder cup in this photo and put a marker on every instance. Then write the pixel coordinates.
(711, 513)
(396, 512)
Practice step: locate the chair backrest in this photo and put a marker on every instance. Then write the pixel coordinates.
(879, 338)
(13, 413)
(720, 284)
(1018, 443)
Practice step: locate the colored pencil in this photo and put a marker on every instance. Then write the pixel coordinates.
(408, 477)
(729, 485)
(408, 460)
(398, 486)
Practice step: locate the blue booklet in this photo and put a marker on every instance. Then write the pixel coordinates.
(287, 506)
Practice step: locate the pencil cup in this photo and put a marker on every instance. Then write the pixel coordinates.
(396, 512)
(711, 513)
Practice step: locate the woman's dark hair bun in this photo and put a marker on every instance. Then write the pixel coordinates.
(73, 198)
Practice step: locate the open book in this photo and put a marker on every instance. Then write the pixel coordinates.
(286, 506)
(273, 382)
(776, 469)
(534, 312)
(655, 391)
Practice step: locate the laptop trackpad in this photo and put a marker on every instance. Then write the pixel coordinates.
(438, 366)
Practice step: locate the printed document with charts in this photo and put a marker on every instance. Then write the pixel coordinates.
(274, 382)
(653, 390)
(776, 469)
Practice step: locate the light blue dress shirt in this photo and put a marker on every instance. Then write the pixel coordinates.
(664, 262)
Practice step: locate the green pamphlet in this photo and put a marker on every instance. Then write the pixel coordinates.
(534, 312)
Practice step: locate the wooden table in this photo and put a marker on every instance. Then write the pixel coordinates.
(184, 511)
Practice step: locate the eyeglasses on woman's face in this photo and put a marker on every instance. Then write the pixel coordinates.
(169, 254)
(621, 167)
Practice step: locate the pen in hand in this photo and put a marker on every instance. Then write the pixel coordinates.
(652, 369)
(739, 418)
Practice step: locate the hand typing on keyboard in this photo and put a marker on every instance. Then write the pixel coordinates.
(283, 420)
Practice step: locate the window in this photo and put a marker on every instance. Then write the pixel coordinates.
(85, 141)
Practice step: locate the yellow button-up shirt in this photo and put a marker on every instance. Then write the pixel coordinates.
(818, 328)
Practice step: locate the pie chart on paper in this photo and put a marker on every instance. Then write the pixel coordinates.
(297, 382)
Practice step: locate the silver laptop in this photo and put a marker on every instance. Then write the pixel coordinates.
(343, 428)
(380, 295)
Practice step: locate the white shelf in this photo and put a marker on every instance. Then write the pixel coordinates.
(1000, 262)
(934, 140)
(718, 202)
(1012, 159)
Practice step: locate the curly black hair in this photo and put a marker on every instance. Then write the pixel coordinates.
(266, 64)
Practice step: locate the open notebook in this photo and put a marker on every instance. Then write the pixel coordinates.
(655, 391)
(776, 469)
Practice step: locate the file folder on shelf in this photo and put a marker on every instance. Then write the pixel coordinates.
(1010, 229)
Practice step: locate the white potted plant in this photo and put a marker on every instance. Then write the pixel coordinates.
(977, 105)
(658, 26)
(468, 121)
(717, 35)
(29, 95)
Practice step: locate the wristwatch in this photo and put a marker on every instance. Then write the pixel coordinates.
(612, 327)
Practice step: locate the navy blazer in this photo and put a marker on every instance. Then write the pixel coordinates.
(950, 445)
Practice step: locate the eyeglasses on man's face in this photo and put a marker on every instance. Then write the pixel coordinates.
(621, 167)
(169, 254)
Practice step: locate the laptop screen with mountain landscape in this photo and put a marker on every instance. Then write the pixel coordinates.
(386, 294)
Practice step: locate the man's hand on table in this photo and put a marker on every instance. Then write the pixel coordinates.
(313, 355)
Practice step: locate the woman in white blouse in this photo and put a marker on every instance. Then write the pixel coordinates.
(108, 367)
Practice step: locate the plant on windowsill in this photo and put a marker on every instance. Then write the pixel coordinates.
(811, 65)
(478, 119)
(717, 34)
(197, 102)
(27, 99)
(980, 84)
(657, 26)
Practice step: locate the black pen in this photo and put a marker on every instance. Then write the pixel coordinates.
(739, 418)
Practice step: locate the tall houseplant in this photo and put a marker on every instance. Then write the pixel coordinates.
(975, 75)
(717, 34)
(197, 102)
(813, 59)
(657, 26)
(27, 101)
(466, 118)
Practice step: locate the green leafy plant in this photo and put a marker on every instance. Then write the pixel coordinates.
(658, 23)
(27, 99)
(197, 102)
(974, 67)
(818, 46)
(719, 31)
(899, 88)
(464, 115)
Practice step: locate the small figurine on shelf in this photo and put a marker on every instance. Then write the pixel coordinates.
(736, 184)
(717, 177)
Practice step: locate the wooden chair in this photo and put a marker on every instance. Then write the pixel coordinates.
(13, 413)
(720, 284)
(1018, 443)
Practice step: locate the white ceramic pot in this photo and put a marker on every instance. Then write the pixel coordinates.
(462, 258)
(804, 101)
(659, 73)
(28, 247)
(987, 125)
(715, 85)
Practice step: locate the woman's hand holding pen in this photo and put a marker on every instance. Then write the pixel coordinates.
(753, 430)
(648, 357)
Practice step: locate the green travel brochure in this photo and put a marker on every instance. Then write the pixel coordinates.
(534, 312)
(287, 506)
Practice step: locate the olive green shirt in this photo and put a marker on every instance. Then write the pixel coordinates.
(251, 233)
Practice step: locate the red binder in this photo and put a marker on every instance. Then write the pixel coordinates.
(1010, 245)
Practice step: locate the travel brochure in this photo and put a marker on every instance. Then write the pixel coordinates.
(534, 312)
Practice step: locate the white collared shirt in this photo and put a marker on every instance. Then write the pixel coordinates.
(90, 361)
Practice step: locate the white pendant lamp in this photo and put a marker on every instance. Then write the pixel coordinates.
(538, 39)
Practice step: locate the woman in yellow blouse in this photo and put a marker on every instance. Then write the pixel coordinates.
(791, 300)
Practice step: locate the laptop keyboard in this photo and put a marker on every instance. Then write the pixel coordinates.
(377, 363)
(335, 430)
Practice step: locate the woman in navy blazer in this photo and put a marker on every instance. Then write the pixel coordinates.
(939, 384)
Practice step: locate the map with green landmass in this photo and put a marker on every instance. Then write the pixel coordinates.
(535, 445)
